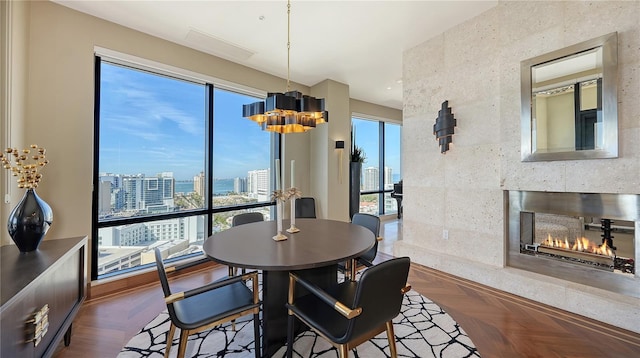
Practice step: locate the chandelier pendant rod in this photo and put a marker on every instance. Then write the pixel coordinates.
(288, 43)
(288, 112)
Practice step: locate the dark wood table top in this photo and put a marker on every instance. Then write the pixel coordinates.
(319, 243)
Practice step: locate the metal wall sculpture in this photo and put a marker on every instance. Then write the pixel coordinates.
(443, 129)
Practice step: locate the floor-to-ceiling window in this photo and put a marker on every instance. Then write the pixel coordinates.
(380, 142)
(174, 161)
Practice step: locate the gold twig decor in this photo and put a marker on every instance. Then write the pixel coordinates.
(293, 193)
(26, 164)
(279, 195)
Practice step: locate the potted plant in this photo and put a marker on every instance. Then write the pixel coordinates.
(355, 171)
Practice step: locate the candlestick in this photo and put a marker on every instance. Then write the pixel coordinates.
(279, 236)
(277, 174)
(293, 173)
(293, 227)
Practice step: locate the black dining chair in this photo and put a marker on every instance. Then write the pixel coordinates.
(352, 312)
(246, 218)
(372, 223)
(208, 306)
(241, 219)
(306, 208)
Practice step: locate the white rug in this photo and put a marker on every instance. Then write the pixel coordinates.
(422, 330)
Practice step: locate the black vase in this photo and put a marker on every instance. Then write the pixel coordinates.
(29, 221)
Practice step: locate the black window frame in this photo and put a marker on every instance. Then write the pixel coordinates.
(381, 163)
(208, 211)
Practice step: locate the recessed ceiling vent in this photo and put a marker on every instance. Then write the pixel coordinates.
(216, 46)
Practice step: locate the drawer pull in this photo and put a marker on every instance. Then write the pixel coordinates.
(38, 325)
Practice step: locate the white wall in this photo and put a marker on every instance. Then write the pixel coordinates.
(476, 67)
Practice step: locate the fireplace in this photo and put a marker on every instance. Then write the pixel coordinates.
(591, 239)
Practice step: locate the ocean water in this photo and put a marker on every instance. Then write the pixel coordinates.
(220, 186)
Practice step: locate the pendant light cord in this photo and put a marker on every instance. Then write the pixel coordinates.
(288, 42)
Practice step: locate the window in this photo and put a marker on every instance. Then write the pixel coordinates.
(380, 142)
(174, 161)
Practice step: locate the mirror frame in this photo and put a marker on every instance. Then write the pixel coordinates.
(609, 148)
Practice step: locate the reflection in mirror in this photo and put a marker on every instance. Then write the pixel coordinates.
(569, 103)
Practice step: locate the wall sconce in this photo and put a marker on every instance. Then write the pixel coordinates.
(443, 129)
(340, 148)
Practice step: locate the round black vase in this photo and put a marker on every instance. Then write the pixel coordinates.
(29, 221)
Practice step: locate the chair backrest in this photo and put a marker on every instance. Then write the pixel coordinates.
(245, 218)
(372, 223)
(369, 221)
(164, 281)
(306, 208)
(379, 294)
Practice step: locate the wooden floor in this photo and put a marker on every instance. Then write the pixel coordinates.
(500, 324)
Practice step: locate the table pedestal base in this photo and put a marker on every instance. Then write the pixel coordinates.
(275, 285)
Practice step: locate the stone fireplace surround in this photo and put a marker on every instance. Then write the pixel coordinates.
(618, 305)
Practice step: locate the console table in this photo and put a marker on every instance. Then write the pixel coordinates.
(42, 292)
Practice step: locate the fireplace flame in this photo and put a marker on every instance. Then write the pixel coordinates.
(581, 244)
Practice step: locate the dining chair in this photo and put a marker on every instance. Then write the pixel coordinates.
(352, 312)
(208, 306)
(241, 219)
(306, 208)
(372, 223)
(246, 218)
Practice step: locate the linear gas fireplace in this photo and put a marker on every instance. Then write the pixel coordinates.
(591, 239)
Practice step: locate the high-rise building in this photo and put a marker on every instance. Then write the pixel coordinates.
(104, 198)
(110, 193)
(388, 178)
(149, 194)
(199, 184)
(240, 185)
(371, 179)
(258, 184)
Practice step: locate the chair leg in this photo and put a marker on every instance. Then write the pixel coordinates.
(392, 339)
(290, 322)
(172, 331)
(182, 347)
(354, 265)
(256, 334)
(343, 351)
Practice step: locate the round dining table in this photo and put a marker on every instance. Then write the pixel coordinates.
(313, 253)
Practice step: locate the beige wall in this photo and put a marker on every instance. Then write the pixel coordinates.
(476, 67)
(52, 97)
(14, 23)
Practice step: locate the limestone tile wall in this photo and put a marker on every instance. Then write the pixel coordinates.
(458, 66)
(476, 67)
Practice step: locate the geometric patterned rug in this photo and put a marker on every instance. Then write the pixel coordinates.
(422, 330)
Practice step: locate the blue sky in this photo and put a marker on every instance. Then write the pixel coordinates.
(367, 137)
(151, 124)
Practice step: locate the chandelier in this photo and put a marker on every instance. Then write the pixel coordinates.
(289, 112)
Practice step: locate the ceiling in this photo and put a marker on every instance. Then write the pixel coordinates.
(359, 43)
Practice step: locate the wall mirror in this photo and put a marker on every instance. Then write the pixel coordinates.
(569, 102)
